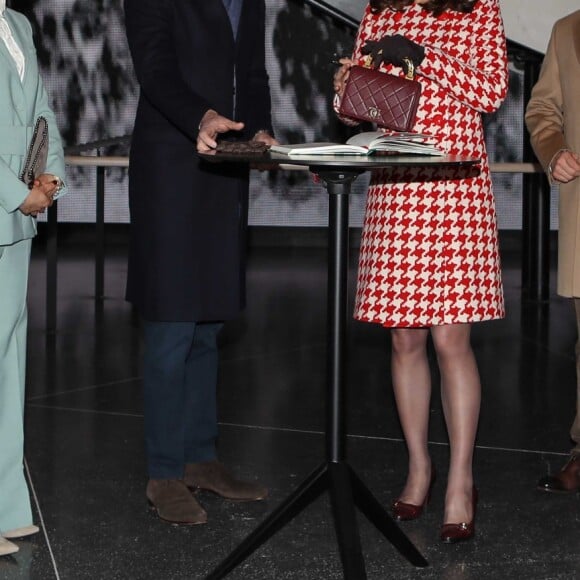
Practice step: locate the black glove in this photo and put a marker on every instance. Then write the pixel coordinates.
(393, 49)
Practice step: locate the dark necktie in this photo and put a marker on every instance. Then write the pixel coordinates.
(234, 7)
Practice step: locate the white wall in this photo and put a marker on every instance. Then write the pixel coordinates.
(529, 22)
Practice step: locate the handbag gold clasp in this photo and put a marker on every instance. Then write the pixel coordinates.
(409, 69)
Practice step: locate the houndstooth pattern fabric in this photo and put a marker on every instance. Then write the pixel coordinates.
(429, 251)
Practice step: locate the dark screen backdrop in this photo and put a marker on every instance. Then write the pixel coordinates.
(87, 70)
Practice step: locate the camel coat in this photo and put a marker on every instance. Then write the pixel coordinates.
(553, 119)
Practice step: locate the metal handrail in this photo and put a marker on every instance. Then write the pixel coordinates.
(334, 12)
(100, 144)
(96, 161)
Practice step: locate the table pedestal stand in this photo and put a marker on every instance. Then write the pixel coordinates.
(334, 474)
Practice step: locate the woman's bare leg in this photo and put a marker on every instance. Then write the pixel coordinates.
(412, 388)
(461, 397)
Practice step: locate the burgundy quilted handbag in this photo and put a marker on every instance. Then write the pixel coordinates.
(388, 101)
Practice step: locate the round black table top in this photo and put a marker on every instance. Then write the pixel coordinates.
(342, 162)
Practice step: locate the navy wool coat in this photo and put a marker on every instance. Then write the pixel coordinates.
(188, 217)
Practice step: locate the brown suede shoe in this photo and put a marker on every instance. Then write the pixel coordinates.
(567, 480)
(213, 476)
(173, 502)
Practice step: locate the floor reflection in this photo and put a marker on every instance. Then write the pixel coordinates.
(85, 431)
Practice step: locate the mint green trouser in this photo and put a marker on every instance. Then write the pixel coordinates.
(14, 498)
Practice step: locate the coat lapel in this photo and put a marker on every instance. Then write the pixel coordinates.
(245, 13)
(219, 7)
(4, 50)
(5, 55)
(16, 84)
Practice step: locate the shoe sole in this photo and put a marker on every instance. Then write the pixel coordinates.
(196, 490)
(8, 548)
(400, 519)
(155, 511)
(21, 532)
(558, 491)
(457, 541)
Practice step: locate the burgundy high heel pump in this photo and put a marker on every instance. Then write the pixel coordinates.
(403, 512)
(453, 533)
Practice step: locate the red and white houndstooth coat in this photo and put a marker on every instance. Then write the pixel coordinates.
(429, 252)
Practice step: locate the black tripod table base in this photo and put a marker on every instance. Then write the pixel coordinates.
(346, 491)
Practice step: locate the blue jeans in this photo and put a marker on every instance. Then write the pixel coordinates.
(179, 381)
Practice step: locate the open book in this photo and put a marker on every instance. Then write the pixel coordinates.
(367, 143)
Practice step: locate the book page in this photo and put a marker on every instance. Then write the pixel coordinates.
(318, 149)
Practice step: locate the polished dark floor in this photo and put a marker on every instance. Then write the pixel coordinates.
(85, 427)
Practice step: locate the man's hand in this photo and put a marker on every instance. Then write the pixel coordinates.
(566, 166)
(40, 196)
(264, 137)
(212, 124)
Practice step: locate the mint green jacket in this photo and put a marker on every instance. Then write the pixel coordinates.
(21, 103)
